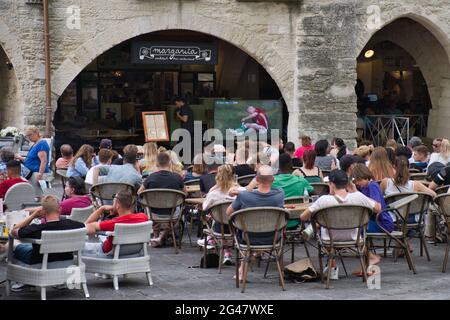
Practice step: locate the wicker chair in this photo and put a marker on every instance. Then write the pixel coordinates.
(442, 190)
(130, 254)
(341, 217)
(81, 214)
(48, 274)
(257, 220)
(62, 173)
(400, 209)
(418, 176)
(320, 188)
(19, 195)
(443, 203)
(245, 180)
(294, 236)
(105, 192)
(164, 199)
(414, 171)
(418, 206)
(219, 215)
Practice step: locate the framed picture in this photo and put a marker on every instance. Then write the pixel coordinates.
(89, 96)
(155, 126)
(111, 112)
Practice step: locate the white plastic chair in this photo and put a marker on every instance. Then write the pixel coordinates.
(81, 214)
(130, 253)
(19, 195)
(48, 274)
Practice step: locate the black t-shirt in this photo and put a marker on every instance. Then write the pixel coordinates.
(163, 180)
(34, 231)
(207, 181)
(186, 110)
(244, 170)
(443, 177)
(118, 162)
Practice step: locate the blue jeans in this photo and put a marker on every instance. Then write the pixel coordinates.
(23, 252)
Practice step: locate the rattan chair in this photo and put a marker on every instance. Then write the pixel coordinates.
(442, 190)
(320, 188)
(414, 171)
(165, 199)
(55, 273)
(443, 203)
(245, 180)
(62, 173)
(218, 213)
(418, 176)
(19, 195)
(81, 214)
(418, 206)
(105, 192)
(130, 253)
(294, 236)
(341, 217)
(257, 220)
(400, 209)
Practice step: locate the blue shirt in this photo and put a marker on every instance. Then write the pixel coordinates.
(80, 169)
(373, 191)
(252, 199)
(124, 174)
(32, 161)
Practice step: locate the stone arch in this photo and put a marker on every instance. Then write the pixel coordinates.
(280, 68)
(428, 44)
(12, 103)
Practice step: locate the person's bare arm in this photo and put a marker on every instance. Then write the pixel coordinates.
(433, 185)
(43, 159)
(92, 228)
(420, 187)
(36, 214)
(230, 210)
(306, 215)
(96, 215)
(252, 185)
(377, 208)
(141, 188)
(95, 174)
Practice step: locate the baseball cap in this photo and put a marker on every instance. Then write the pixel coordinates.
(105, 144)
(338, 177)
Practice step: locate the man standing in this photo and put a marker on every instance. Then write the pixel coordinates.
(185, 114)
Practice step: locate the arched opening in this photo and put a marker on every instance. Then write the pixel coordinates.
(11, 111)
(111, 93)
(402, 72)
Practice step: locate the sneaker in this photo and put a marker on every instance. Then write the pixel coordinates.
(102, 276)
(227, 261)
(19, 287)
(334, 273)
(201, 243)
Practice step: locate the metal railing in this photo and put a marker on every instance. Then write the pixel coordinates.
(380, 128)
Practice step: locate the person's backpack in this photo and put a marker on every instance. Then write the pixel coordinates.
(434, 169)
(301, 271)
(212, 260)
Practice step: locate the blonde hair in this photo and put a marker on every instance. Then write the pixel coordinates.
(225, 177)
(445, 149)
(379, 165)
(363, 151)
(50, 204)
(32, 129)
(198, 166)
(175, 163)
(391, 143)
(150, 154)
(85, 152)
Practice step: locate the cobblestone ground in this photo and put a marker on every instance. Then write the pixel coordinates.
(174, 278)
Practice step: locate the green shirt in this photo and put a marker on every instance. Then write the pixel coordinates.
(293, 186)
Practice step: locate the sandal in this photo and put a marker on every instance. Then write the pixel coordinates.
(156, 243)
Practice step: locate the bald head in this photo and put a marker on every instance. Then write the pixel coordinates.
(264, 175)
(66, 151)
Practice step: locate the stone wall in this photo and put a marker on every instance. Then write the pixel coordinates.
(308, 47)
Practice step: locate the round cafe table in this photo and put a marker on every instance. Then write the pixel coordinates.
(194, 201)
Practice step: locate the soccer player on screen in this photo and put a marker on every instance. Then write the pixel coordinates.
(256, 120)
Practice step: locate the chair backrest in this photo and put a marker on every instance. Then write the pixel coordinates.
(418, 176)
(63, 241)
(62, 173)
(19, 194)
(294, 200)
(413, 170)
(81, 214)
(219, 212)
(132, 233)
(192, 182)
(107, 190)
(443, 202)
(245, 180)
(260, 219)
(442, 190)
(321, 188)
(419, 205)
(325, 173)
(162, 198)
(342, 216)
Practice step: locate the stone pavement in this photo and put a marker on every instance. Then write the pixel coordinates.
(174, 279)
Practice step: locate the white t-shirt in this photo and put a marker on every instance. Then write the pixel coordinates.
(436, 157)
(356, 198)
(90, 175)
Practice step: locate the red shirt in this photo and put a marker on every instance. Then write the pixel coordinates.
(299, 152)
(261, 118)
(5, 185)
(108, 225)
